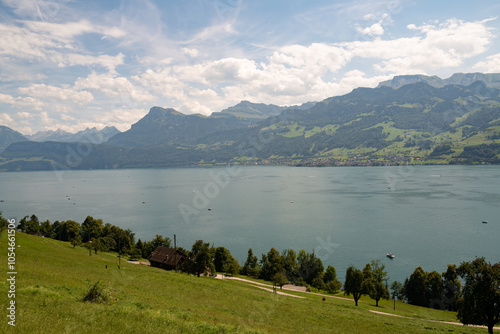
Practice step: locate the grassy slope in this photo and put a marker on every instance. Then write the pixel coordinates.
(53, 277)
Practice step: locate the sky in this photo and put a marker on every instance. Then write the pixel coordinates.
(75, 64)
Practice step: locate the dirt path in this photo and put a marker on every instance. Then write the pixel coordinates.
(259, 285)
(266, 287)
(443, 322)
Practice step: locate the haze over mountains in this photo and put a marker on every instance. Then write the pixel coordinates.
(85, 136)
(409, 119)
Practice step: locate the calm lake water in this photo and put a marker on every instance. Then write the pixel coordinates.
(427, 216)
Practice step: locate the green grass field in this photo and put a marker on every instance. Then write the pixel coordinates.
(52, 279)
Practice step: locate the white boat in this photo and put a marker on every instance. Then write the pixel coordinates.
(391, 256)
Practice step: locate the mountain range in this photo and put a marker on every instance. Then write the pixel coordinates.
(491, 80)
(409, 119)
(85, 136)
(9, 136)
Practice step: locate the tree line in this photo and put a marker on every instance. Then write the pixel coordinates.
(477, 302)
(92, 233)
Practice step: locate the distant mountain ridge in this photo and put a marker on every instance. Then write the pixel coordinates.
(258, 111)
(85, 136)
(9, 136)
(167, 125)
(491, 80)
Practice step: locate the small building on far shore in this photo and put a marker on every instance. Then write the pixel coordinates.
(167, 258)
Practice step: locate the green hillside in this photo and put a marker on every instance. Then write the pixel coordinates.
(52, 279)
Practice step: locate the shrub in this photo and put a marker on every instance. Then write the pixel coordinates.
(97, 294)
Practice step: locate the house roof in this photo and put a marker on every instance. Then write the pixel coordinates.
(166, 255)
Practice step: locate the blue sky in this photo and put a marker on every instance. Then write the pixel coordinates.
(76, 64)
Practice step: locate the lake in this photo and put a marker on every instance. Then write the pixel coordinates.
(427, 216)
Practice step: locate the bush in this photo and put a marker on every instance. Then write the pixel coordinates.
(97, 294)
(333, 286)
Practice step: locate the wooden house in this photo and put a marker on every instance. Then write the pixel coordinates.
(167, 258)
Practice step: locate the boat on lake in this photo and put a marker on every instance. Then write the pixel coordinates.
(391, 256)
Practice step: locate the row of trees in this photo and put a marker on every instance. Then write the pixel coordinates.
(431, 289)
(289, 267)
(92, 233)
(476, 303)
(369, 281)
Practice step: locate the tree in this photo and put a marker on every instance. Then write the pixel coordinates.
(147, 248)
(434, 284)
(225, 262)
(67, 230)
(105, 244)
(330, 274)
(397, 290)
(373, 284)
(76, 241)
(47, 229)
(91, 228)
(272, 263)
(31, 226)
(318, 283)
(159, 240)
(279, 279)
(451, 287)
(251, 266)
(231, 266)
(220, 257)
(378, 291)
(332, 285)
(290, 264)
(353, 282)
(202, 259)
(135, 253)
(415, 288)
(310, 266)
(3, 223)
(378, 270)
(480, 301)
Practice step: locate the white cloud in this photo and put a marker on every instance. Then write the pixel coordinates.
(54, 42)
(5, 119)
(490, 65)
(296, 73)
(190, 52)
(72, 59)
(188, 76)
(373, 30)
(441, 46)
(57, 94)
(114, 87)
(21, 102)
(24, 115)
